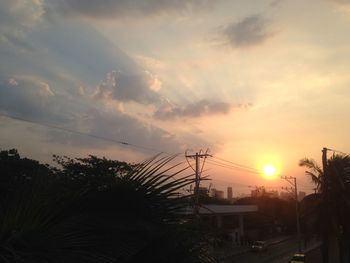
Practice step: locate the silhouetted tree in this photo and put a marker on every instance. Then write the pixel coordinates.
(15, 170)
(90, 173)
(331, 212)
(136, 217)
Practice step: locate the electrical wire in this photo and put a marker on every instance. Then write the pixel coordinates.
(220, 164)
(236, 164)
(47, 125)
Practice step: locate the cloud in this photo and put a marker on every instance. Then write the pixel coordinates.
(344, 2)
(119, 127)
(250, 31)
(20, 14)
(53, 82)
(33, 99)
(17, 17)
(275, 3)
(28, 97)
(115, 9)
(198, 109)
(124, 87)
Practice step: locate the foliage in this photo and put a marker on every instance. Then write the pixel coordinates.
(16, 170)
(329, 212)
(90, 173)
(314, 171)
(137, 214)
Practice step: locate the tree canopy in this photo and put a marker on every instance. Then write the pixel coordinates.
(96, 210)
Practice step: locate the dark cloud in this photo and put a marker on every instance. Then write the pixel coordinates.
(119, 127)
(34, 100)
(198, 109)
(42, 84)
(122, 8)
(128, 87)
(60, 56)
(250, 31)
(80, 50)
(30, 98)
(17, 17)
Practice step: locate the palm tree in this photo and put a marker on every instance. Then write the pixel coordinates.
(137, 216)
(331, 211)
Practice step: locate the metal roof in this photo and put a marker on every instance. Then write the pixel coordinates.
(223, 209)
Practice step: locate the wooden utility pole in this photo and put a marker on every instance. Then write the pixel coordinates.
(326, 209)
(294, 184)
(197, 170)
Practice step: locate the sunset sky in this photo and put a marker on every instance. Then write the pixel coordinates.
(256, 81)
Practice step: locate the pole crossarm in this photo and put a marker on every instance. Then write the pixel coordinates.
(198, 171)
(288, 179)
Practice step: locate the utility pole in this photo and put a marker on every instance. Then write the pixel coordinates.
(294, 184)
(325, 241)
(197, 171)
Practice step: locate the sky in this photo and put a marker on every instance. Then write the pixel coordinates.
(254, 81)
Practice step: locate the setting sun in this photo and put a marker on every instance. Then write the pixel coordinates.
(269, 171)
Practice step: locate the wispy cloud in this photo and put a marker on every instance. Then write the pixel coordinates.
(122, 8)
(250, 31)
(16, 15)
(16, 18)
(194, 110)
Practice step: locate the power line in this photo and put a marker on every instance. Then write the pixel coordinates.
(228, 164)
(236, 164)
(220, 164)
(47, 125)
(198, 173)
(253, 170)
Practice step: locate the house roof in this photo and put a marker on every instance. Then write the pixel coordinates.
(223, 209)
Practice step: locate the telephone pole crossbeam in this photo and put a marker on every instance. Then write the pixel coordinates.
(198, 171)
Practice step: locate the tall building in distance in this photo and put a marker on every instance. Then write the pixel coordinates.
(217, 193)
(229, 193)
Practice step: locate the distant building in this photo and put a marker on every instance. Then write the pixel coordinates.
(227, 218)
(217, 193)
(229, 193)
(301, 195)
